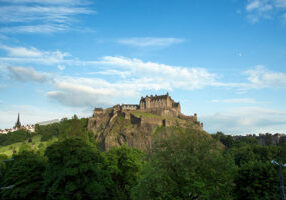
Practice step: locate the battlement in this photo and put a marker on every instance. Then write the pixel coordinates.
(129, 107)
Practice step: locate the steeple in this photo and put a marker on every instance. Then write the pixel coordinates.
(18, 123)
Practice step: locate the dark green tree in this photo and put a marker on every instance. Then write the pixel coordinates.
(13, 137)
(227, 140)
(124, 164)
(75, 170)
(23, 177)
(186, 165)
(257, 181)
(282, 152)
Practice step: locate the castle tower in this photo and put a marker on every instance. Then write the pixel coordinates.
(18, 123)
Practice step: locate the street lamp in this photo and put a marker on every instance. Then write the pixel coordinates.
(280, 177)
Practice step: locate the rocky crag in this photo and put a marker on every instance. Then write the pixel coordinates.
(136, 125)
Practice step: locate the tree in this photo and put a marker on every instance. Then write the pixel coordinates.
(246, 153)
(227, 140)
(188, 164)
(24, 175)
(13, 137)
(76, 170)
(257, 180)
(47, 132)
(282, 152)
(124, 164)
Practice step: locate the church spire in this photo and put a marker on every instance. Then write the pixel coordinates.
(18, 123)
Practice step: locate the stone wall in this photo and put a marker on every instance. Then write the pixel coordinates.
(129, 107)
(151, 121)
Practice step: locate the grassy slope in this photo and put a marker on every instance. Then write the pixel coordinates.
(35, 144)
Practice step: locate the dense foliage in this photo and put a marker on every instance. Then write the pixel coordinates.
(65, 128)
(256, 177)
(76, 170)
(124, 164)
(13, 137)
(23, 177)
(183, 164)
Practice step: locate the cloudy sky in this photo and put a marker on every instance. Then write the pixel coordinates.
(224, 60)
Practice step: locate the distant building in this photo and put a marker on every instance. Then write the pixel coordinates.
(49, 122)
(18, 123)
(269, 139)
(18, 126)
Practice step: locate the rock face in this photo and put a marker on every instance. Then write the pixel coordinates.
(135, 127)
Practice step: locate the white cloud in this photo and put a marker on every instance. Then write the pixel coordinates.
(260, 77)
(22, 51)
(162, 75)
(135, 76)
(112, 72)
(27, 74)
(253, 5)
(53, 14)
(247, 120)
(40, 28)
(36, 16)
(55, 2)
(239, 100)
(264, 9)
(61, 67)
(33, 55)
(146, 74)
(149, 41)
(87, 92)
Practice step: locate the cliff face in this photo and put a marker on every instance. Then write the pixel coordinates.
(115, 127)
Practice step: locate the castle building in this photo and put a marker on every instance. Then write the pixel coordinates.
(159, 102)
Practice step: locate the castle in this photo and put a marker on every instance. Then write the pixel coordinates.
(135, 124)
(162, 105)
(158, 105)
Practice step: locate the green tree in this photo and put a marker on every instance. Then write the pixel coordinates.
(227, 140)
(124, 164)
(257, 181)
(76, 170)
(282, 152)
(47, 132)
(25, 176)
(188, 164)
(246, 153)
(13, 137)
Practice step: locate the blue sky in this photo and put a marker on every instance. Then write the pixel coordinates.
(224, 60)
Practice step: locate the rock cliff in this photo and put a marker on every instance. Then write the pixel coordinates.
(136, 128)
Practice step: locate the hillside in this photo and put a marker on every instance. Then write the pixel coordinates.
(115, 127)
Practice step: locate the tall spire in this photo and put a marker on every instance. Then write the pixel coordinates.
(18, 123)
